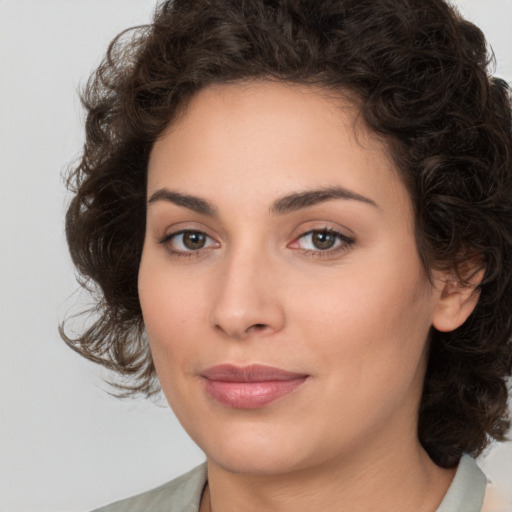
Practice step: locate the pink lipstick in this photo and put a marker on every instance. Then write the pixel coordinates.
(249, 387)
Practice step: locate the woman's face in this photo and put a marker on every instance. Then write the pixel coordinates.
(279, 236)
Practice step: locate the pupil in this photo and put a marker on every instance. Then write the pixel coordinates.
(193, 240)
(323, 240)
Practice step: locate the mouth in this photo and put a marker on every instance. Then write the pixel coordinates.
(249, 387)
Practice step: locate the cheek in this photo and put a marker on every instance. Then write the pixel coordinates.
(173, 310)
(372, 322)
(364, 323)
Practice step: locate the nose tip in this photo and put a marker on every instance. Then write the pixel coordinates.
(247, 304)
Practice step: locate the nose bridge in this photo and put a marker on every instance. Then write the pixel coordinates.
(246, 300)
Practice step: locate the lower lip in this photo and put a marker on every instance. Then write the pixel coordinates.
(251, 395)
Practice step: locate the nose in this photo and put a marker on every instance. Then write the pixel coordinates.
(247, 300)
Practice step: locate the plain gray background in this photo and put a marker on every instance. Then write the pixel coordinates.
(65, 444)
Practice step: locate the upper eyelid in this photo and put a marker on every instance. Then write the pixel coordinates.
(328, 229)
(184, 227)
(342, 236)
(170, 236)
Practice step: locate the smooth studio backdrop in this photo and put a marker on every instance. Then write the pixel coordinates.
(65, 444)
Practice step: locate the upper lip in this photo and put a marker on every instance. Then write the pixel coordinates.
(251, 373)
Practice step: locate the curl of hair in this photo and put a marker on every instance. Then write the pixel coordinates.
(420, 73)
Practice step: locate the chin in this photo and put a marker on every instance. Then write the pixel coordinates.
(258, 450)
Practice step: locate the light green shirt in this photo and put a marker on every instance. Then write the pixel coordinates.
(466, 493)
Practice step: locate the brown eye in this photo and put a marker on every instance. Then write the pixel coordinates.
(322, 243)
(194, 240)
(188, 242)
(323, 239)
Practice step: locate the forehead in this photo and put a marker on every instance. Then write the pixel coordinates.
(268, 137)
(257, 104)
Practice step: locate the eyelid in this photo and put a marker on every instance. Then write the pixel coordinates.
(345, 242)
(174, 234)
(342, 243)
(164, 233)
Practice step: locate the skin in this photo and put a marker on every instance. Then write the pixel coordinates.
(355, 317)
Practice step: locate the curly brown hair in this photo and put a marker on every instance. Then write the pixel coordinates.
(419, 71)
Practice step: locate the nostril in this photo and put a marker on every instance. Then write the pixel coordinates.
(240, 335)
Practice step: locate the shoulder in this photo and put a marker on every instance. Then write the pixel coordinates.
(182, 494)
(466, 493)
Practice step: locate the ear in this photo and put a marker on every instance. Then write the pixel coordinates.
(457, 297)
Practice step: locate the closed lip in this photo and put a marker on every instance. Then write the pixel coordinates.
(249, 387)
(251, 373)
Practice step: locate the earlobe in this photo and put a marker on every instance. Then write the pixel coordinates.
(456, 300)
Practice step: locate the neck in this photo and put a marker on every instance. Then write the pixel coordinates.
(401, 479)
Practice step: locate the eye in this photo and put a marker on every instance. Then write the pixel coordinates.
(322, 242)
(187, 242)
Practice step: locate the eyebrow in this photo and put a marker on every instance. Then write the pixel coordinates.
(193, 203)
(299, 200)
(287, 204)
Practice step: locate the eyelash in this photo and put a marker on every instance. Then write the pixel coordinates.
(345, 244)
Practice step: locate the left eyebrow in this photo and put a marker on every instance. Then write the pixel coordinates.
(299, 200)
(282, 206)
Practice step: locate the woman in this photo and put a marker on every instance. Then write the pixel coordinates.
(298, 218)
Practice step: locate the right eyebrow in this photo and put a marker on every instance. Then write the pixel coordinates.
(193, 203)
(287, 204)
